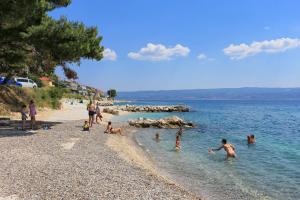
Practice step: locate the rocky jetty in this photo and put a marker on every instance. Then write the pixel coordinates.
(111, 111)
(169, 122)
(134, 108)
(105, 103)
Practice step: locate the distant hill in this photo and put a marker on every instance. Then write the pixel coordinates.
(216, 94)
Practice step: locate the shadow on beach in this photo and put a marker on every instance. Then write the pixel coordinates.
(13, 128)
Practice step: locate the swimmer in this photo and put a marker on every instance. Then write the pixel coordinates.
(157, 137)
(251, 139)
(177, 145)
(229, 148)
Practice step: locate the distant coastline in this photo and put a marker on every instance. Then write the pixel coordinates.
(247, 93)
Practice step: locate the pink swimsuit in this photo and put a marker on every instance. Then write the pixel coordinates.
(32, 111)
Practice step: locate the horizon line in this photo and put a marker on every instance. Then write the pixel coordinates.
(225, 88)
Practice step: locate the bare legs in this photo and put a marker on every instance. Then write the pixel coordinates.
(32, 122)
(91, 120)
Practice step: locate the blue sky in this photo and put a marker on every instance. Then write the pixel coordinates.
(177, 44)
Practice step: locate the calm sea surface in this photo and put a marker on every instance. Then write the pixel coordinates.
(269, 169)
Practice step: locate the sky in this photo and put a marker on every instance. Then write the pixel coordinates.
(190, 44)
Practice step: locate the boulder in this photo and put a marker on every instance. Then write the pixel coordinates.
(110, 111)
(169, 122)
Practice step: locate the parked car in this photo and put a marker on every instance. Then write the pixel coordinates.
(9, 82)
(25, 82)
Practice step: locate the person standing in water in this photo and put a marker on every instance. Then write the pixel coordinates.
(177, 143)
(180, 131)
(32, 114)
(157, 137)
(229, 148)
(251, 139)
(91, 108)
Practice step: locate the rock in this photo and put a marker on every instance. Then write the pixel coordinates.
(110, 111)
(169, 122)
(134, 108)
(105, 103)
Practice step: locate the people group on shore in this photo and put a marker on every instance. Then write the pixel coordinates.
(32, 115)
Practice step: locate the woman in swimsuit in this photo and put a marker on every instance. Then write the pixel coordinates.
(111, 130)
(229, 148)
(91, 108)
(32, 114)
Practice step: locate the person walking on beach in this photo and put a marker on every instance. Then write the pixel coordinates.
(98, 113)
(32, 114)
(23, 116)
(229, 148)
(91, 109)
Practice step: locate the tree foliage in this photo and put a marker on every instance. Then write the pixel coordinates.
(112, 93)
(32, 42)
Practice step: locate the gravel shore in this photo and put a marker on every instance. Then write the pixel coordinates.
(66, 163)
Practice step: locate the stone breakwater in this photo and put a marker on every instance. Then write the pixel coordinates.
(112, 111)
(169, 122)
(132, 108)
(105, 103)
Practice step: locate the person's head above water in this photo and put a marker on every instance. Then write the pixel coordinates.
(224, 141)
(109, 123)
(252, 136)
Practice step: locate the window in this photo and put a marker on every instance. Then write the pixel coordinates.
(22, 80)
(30, 81)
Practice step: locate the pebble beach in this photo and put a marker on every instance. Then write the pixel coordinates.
(64, 162)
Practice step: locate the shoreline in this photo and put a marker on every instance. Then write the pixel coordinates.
(125, 147)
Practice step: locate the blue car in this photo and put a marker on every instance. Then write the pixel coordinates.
(9, 82)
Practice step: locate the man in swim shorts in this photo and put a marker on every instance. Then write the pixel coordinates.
(229, 148)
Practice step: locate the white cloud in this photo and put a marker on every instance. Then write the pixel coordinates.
(158, 52)
(109, 54)
(268, 46)
(202, 56)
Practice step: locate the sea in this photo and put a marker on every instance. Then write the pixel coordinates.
(268, 169)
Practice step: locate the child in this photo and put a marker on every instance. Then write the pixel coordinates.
(177, 147)
(98, 113)
(157, 137)
(23, 116)
(86, 126)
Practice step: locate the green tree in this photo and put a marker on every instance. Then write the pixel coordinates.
(32, 42)
(112, 93)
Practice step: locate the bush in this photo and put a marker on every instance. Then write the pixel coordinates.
(37, 80)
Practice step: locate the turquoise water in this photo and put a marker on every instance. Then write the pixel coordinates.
(268, 169)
